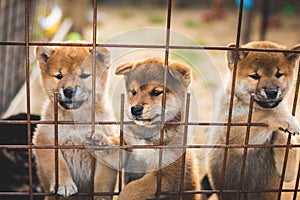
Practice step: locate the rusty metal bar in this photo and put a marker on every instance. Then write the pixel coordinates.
(51, 194)
(27, 71)
(191, 146)
(293, 113)
(56, 144)
(246, 142)
(297, 183)
(295, 101)
(232, 93)
(94, 73)
(154, 46)
(130, 123)
(92, 192)
(168, 29)
(184, 142)
(285, 162)
(163, 193)
(122, 116)
(94, 64)
(286, 156)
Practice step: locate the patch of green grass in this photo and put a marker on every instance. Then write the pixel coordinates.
(190, 23)
(126, 14)
(202, 43)
(156, 20)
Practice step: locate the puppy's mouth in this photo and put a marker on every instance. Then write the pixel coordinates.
(144, 121)
(72, 98)
(71, 104)
(268, 103)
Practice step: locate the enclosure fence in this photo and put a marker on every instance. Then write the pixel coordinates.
(24, 41)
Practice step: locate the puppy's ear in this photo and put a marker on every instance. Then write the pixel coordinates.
(293, 56)
(102, 55)
(124, 68)
(43, 54)
(231, 54)
(179, 71)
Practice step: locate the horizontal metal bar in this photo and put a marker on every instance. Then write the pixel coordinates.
(163, 193)
(154, 46)
(51, 194)
(130, 123)
(125, 147)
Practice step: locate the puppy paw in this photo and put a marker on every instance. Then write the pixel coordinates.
(65, 190)
(292, 127)
(97, 138)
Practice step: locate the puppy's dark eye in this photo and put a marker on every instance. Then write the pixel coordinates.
(254, 76)
(59, 76)
(278, 74)
(84, 75)
(156, 92)
(133, 92)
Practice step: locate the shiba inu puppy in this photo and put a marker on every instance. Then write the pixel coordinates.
(68, 71)
(144, 82)
(268, 76)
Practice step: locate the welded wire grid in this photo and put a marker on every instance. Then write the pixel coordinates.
(26, 42)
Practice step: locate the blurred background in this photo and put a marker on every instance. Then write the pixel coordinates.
(205, 22)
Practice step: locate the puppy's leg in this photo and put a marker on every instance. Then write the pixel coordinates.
(279, 154)
(101, 139)
(105, 176)
(140, 189)
(105, 180)
(110, 156)
(284, 122)
(46, 170)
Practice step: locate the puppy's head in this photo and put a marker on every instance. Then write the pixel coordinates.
(68, 71)
(268, 75)
(145, 87)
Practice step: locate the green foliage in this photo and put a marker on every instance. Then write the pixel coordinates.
(190, 23)
(156, 20)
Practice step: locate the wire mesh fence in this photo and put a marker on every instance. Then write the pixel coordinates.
(18, 38)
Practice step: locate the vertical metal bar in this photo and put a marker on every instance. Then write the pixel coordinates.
(166, 69)
(294, 109)
(94, 64)
(121, 142)
(184, 142)
(232, 95)
(27, 65)
(297, 183)
(92, 192)
(159, 175)
(94, 73)
(56, 144)
(246, 142)
(286, 156)
(295, 101)
(285, 162)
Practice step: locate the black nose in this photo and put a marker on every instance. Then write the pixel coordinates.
(137, 110)
(271, 93)
(69, 92)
